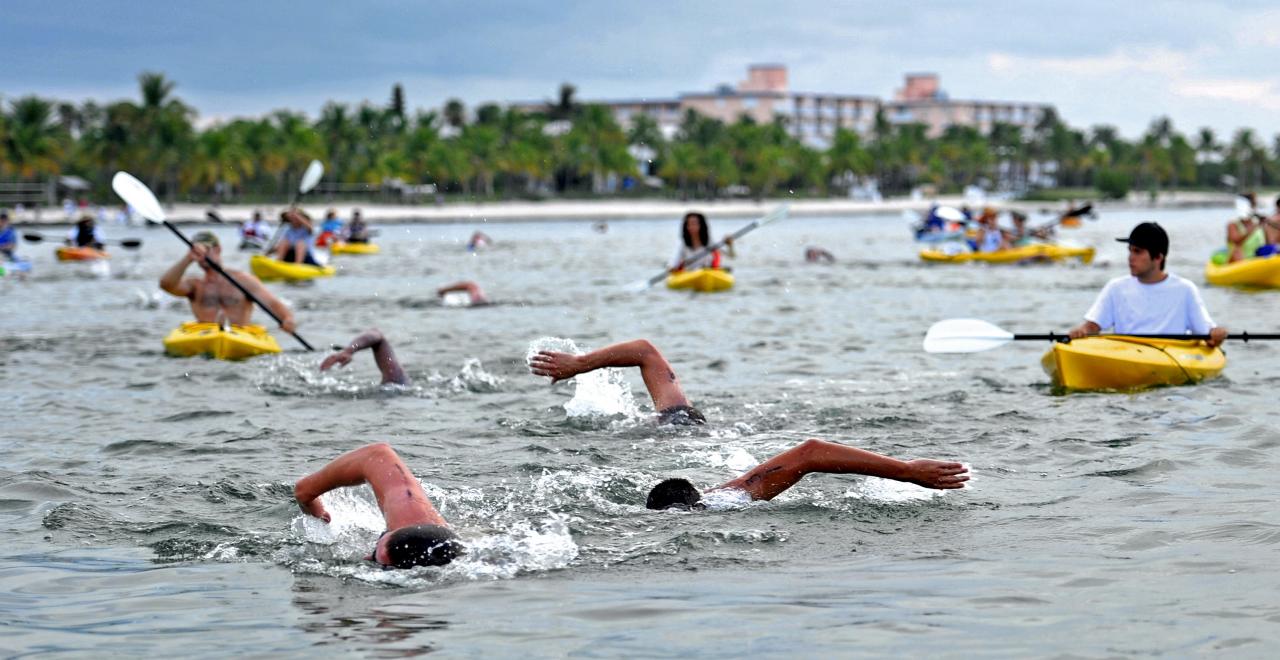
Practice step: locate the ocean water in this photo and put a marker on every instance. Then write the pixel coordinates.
(147, 501)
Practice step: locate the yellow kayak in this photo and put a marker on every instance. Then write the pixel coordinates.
(703, 279)
(1257, 272)
(234, 342)
(353, 248)
(1117, 362)
(269, 269)
(1037, 251)
(65, 253)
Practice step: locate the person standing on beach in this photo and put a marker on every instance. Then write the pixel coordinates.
(213, 298)
(695, 234)
(774, 476)
(416, 535)
(1150, 300)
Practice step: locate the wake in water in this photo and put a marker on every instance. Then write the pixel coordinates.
(600, 393)
(287, 375)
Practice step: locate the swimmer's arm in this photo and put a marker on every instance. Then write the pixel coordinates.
(383, 356)
(377, 465)
(771, 478)
(659, 377)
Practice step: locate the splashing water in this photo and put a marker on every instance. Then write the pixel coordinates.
(470, 378)
(602, 392)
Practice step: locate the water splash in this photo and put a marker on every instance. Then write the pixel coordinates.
(470, 378)
(602, 392)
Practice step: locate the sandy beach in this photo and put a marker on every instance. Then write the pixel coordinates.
(623, 209)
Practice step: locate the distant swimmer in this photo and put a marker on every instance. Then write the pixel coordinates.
(478, 241)
(659, 378)
(1149, 301)
(473, 291)
(695, 234)
(213, 298)
(600, 227)
(417, 535)
(774, 476)
(817, 255)
(296, 245)
(383, 356)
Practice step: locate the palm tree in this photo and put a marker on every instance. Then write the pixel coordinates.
(33, 142)
(455, 114)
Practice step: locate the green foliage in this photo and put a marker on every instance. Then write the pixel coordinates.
(571, 148)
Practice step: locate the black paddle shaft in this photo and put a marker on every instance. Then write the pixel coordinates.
(1053, 336)
(214, 265)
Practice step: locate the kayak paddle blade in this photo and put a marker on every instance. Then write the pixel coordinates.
(33, 237)
(131, 243)
(136, 194)
(964, 336)
(950, 214)
(1243, 208)
(311, 177)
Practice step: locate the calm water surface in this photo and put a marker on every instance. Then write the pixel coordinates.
(146, 500)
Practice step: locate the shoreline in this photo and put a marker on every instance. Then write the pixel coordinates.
(503, 212)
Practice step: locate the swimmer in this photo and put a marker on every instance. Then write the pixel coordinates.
(471, 288)
(383, 356)
(478, 240)
(815, 255)
(774, 476)
(417, 535)
(659, 378)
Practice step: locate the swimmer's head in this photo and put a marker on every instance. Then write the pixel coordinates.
(422, 545)
(681, 416)
(677, 493)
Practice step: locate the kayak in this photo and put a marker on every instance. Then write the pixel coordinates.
(353, 248)
(702, 279)
(941, 236)
(252, 243)
(1117, 362)
(269, 269)
(233, 342)
(66, 253)
(1037, 251)
(1255, 272)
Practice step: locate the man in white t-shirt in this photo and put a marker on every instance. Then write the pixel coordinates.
(1151, 301)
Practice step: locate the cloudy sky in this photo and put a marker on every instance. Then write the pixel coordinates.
(1123, 63)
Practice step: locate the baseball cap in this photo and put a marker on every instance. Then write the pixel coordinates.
(1149, 236)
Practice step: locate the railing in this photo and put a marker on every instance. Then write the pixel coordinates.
(26, 193)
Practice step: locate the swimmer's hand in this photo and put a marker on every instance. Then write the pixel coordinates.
(311, 505)
(341, 358)
(556, 366)
(936, 474)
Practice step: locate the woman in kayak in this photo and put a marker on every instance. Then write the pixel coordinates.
(296, 245)
(85, 234)
(1245, 235)
(696, 235)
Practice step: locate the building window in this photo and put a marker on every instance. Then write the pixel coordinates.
(749, 103)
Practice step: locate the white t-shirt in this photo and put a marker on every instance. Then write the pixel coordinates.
(1171, 306)
(683, 253)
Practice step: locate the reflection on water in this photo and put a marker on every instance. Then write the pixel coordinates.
(148, 505)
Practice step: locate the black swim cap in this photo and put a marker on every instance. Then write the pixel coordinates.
(674, 493)
(681, 416)
(422, 545)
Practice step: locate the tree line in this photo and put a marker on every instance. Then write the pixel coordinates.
(572, 149)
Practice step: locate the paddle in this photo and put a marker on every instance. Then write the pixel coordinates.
(1085, 211)
(774, 215)
(975, 335)
(140, 197)
(129, 243)
(310, 177)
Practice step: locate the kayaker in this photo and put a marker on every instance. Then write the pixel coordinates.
(8, 237)
(330, 229)
(213, 298)
(695, 234)
(1245, 235)
(472, 290)
(255, 228)
(990, 237)
(296, 245)
(659, 378)
(1150, 300)
(416, 535)
(85, 234)
(774, 476)
(357, 230)
(1271, 230)
(383, 356)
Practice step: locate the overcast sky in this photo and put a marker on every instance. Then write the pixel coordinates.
(1122, 63)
